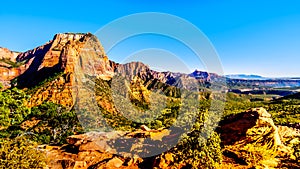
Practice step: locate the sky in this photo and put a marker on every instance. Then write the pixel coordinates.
(250, 37)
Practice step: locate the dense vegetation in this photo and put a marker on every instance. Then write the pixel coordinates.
(23, 128)
(199, 146)
(48, 123)
(16, 152)
(283, 111)
(12, 108)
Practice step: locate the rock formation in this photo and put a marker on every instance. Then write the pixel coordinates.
(252, 135)
(90, 150)
(235, 127)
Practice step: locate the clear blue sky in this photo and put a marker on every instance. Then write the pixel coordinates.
(252, 37)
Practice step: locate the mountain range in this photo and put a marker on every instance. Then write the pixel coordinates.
(26, 69)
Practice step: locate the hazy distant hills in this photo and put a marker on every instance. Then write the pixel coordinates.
(258, 77)
(244, 76)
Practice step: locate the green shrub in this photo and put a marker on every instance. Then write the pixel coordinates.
(198, 152)
(57, 123)
(201, 146)
(20, 153)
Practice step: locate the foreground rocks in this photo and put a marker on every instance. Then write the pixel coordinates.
(250, 140)
(90, 150)
(105, 150)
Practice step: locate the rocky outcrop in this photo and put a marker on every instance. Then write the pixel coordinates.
(235, 128)
(252, 139)
(7, 54)
(90, 150)
(115, 149)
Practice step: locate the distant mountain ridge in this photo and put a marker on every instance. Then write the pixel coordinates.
(258, 77)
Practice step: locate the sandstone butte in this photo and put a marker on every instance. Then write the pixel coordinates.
(58, 56)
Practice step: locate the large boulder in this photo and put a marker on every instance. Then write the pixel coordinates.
(252, 139)
(235, 128)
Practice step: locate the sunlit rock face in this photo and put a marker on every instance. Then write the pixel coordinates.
(9, 69)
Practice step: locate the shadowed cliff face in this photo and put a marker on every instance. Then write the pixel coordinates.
(33, 74)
